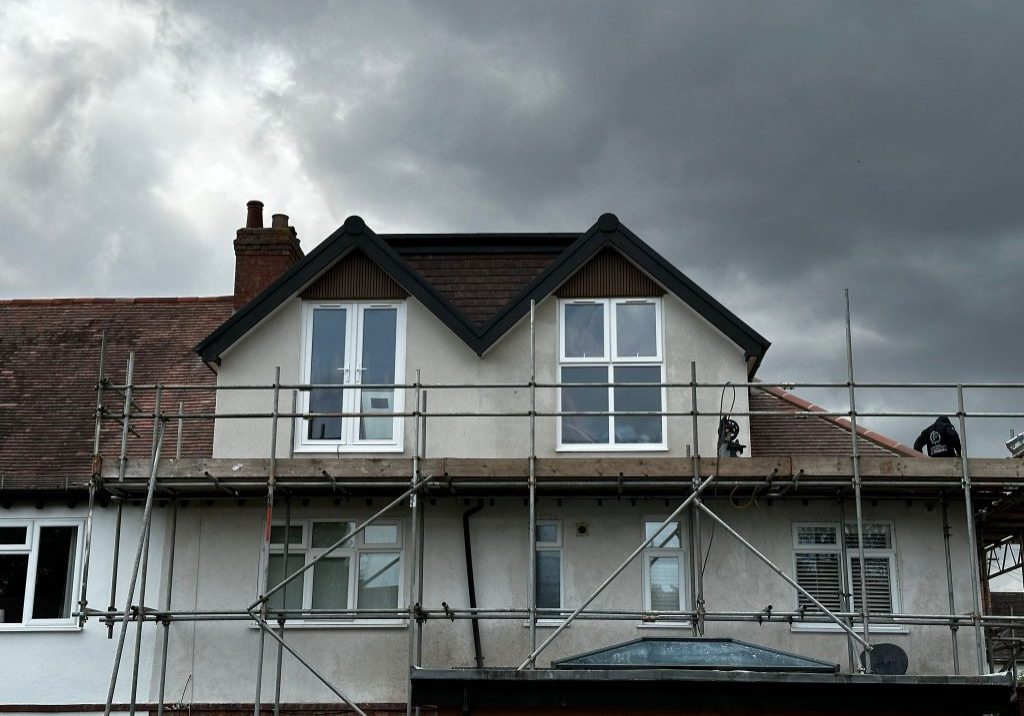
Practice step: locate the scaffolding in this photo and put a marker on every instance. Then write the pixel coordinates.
(997, 485)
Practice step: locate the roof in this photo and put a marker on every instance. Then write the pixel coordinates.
(480, 299)
(804, 433)
(694, 653)
(49, 364)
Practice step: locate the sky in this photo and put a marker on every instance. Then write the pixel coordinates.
(776, 152)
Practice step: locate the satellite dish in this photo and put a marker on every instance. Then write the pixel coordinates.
(887, 659)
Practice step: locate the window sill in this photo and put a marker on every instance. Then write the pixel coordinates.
(356, 624)
(548, 623)
(39, 627)
(333, 450)
(665, 625)
(598, 447)
(823, 628)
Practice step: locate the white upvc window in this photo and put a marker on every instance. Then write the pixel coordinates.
(352, 345)
(40, 572)
(818, 555)
(664, 567)
(611, 340)
(364, 573)
(549, 582)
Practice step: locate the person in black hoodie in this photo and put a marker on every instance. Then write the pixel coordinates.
(941, 438)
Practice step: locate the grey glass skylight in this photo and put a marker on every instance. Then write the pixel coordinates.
(693, 653)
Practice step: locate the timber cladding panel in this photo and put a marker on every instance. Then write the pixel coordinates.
(609, 275)
(354, 277)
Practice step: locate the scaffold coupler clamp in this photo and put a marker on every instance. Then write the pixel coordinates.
(418, 614)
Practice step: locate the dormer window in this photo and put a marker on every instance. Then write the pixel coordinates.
(352, 352)
(611, 340)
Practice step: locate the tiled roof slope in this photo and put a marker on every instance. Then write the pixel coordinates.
(49, 363)
(804, 433)
(478, 284)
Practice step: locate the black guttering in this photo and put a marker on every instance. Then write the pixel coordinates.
(386, 250)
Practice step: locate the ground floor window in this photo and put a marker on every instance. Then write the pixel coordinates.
(663, 567)
(549, 565)
(38, 571)
(819, 567)
(364, 573)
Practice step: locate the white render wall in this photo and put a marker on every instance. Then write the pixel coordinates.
(73, 666)
(217, 567)
(443, 358)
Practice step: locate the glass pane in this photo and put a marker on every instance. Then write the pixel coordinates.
(584, 330)
(638, 428)
(876, 536)
(636, 332)
(275, 575)
(378, 580)
(294, 534)
(327, 367)
(327, 533)
(13, 572)
(330, 583)
(378, 367)
(582, 429)
(549, 578)
(816, 534)
(547, 533)
(55, 573)
(664, 573)
(381, 534)
(669, 537)
(13, 535)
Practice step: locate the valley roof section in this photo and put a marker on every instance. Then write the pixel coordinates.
(483, 312)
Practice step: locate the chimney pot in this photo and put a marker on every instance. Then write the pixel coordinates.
(279, 221)
(254, 216)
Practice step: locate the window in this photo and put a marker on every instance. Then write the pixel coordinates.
(818, 554)
(549, 565)
(364, 573)
(351, 345)
(663, 567)
(611, 341)
(38, 572)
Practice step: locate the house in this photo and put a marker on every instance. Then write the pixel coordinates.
(467, 392)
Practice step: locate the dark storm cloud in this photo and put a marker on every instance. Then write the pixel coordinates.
(777, 152)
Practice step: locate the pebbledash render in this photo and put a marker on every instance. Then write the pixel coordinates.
(533, 408)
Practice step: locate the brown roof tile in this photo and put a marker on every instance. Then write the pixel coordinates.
(49, 362)
(804, 433)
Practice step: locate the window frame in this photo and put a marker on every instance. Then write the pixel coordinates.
(31, 548)
(556, 546)
(349, 441)
(609, 361)
(682, 553)
(360, 547)
(846, 576)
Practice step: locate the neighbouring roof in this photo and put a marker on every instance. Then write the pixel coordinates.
(481, 285)
(804, 432)
(49, 365)
(694, 653)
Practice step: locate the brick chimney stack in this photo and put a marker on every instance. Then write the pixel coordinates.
(262, 254)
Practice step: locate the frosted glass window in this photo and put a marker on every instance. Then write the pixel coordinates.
(378, 580)
(381, 534)
(549, 579)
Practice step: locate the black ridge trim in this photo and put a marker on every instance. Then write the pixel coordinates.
(574, 251)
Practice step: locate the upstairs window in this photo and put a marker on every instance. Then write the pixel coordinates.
(38, 572)
(819, 555)
(356, 347)
(364, 573)
(611, 341)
